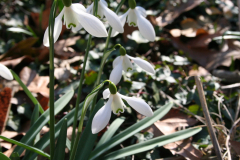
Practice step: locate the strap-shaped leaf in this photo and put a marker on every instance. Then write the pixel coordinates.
(42, 120)
(111, 130)
(15, 156)
(61, 142)
(87, 138)
(152, 143)
(3, 156)
(130, 131)
(44, 141)
(38, 151)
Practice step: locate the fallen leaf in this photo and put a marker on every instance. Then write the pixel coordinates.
(168, 16)
(34, 82)
(14, 62)
(43, 101)
(213, 11)
(9, 152)
(5, 97)
(62, 74)
(235, 146)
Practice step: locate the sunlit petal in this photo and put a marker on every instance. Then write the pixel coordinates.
(139, 105)
(71, 17)
(117, 61)
(116, 73)
(5, 72)
(57, 29)
(79, 7)
(106, 93)
(102, 117)
(112, 18)
(117, 104)
(132, 18)
(91, 24)
(90, 9)
(145, 65)
(123, 21)
(145, 27)
(142, 11)
(127, 65)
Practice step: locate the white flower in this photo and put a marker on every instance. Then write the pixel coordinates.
(75, 17)
(116, 105)
(137, 17)
(124, 63)
(111, 16)
(5, 73)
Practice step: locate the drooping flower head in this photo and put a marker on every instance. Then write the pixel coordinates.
(123, 63)
(111, 16)
(5, 73)
(76, 18)
(136, 16)
(116, 104)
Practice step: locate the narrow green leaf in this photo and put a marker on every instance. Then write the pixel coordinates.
(19, 30)
(61, 142)
(35, 116)
(130, 131)
(3, 156)
(44, 141)
(68, 144)
(38, 151)
(43, 119)
(152, 143)
(111, 130)
(87, 138)
(105, 56)
(15, 156)
(29, 94)
(226, 37)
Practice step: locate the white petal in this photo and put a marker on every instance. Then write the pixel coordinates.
(112, 18)
(139, 105)
(142, 11)
(100, 12)
(57, 29)
(91, 24)
(90, 9)
(5, 72)
(123, 21)
(117, 61)
(116, 74)
(117, 104)
(127, 64)
(106, 93)
(132, 18)
(102, 117)
(71, 17)
(145, 65)
(145, 27)
(77, 28)
(78, 6)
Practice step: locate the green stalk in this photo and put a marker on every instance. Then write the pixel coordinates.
(104, 52)
(51, 74)
(75, 141)
(80, 90)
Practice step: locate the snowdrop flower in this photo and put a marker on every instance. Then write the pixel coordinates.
(123, 63)
(111, 16)
(136, 16)
(116, 105)
(5, 73)
(75, 17)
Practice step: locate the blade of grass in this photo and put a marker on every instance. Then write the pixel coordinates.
(3, 156)
(38, 151)
(151, 144)
(42, 120)
(111, 130)
(208, 118)
(130, 131)
(15, 156)
(61, 142)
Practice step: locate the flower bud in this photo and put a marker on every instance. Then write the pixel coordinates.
(122, 51)
(132, 4)
(67, 3)
(112, 87)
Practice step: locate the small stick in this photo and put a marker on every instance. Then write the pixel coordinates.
(207, 118)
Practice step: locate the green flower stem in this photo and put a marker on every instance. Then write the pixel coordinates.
(80, 89)
(29, 94)
(105, 50)
(75, 141)
(51, 74)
